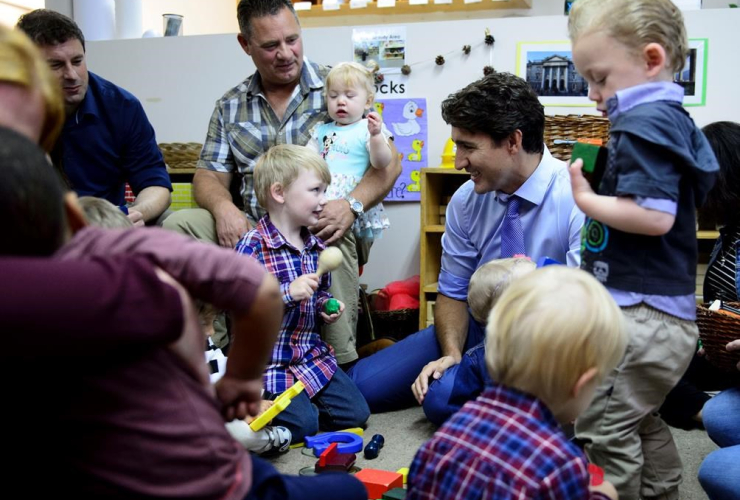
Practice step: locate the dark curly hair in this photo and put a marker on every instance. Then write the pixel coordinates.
(498, 105)
(47, 27)
(723, 201)
(250, 9)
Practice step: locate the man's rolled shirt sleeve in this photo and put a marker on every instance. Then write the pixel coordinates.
(459, 255)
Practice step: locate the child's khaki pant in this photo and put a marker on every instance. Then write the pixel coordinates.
(622, 431)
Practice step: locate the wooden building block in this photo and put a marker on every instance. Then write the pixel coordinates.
(378, 482)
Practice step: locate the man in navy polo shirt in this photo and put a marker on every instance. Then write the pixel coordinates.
(107, 139)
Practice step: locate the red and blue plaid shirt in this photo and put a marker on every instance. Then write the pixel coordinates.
(299, 353)
(503, 445)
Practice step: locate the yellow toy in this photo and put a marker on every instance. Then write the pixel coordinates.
(448, 155)
(279, 405)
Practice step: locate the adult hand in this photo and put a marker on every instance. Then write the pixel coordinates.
(336, 218)
(304, 286)
(136, 217)
(331, 318)
(231, 224)
(435, 370)
(240, 398)
(734, 346)
(374, 123)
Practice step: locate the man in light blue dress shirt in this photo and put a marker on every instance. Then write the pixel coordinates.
(498, 126)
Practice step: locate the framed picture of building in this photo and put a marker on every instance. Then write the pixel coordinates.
(693, 76)
(548, 68)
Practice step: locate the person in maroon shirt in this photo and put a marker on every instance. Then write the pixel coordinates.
(103, 415)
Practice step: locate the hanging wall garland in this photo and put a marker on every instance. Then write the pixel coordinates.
(439, 60)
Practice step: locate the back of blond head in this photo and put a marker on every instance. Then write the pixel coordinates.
(102, 213)
(490, 281)
(634, 23)
(283, 164)
(21, 64)
(549, 328)
(350, 74)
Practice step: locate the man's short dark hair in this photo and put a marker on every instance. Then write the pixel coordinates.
(47, 27)
(250, 9)
(498, 105)
(31, 199)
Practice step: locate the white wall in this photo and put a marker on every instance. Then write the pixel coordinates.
(178, 79)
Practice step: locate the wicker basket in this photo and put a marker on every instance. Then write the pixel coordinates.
(397, 324)
(716, 330)
(569, 128)
(181, 155)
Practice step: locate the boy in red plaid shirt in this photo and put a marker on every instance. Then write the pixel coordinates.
(551, 338)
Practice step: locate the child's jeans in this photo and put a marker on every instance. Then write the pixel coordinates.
(459, 384)
(269, 484)
(719, 474)
(622, 430)
(339, 405)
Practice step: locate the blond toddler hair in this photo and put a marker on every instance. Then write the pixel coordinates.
(634, 24)
(490, 280)
(549, 328)
(283, 164)
(352, 74)
(102, 213)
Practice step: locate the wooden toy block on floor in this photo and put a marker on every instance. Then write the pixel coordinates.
(333, 461)
(378, 482)
(395, 494)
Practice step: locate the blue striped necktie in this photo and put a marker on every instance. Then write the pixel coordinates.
(512, 234)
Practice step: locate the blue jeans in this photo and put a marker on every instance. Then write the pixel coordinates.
(719, 474)
(458, 385)
(385, 378)
(339, 405)
(269, 484)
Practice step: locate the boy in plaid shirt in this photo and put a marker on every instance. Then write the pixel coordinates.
(290, 182)
(551, 338)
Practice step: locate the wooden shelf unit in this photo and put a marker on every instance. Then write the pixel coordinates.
(403, 12)
(437, 187)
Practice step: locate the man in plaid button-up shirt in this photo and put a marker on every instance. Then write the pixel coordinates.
(279, 104)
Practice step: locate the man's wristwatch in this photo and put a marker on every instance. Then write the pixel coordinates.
(355, 206)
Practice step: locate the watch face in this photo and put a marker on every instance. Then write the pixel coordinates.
(356, 206)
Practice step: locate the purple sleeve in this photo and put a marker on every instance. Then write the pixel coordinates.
(53, 307)
(216, 275)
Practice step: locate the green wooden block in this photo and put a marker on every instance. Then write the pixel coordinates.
(395, 494)
(331, 306)
(594, 162)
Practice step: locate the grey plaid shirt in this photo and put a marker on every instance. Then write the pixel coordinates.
(243, 126)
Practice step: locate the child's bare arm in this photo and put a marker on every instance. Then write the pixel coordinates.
(380, 151)
(617, 212)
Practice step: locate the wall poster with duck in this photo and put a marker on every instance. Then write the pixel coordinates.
(406, 119)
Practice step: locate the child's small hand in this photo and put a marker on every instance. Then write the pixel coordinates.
(607, 489)
(329, 319)
(578, 182)
(374, 123)
(303, 287)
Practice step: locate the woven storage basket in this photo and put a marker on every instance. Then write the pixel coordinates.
(181, 154)
(397, 324)
(716, 330)
(570, 128)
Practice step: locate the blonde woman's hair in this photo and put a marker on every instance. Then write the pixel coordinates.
(490, 280)
(283, 164)
(102, 213)
(634, 23)
(352, 74)
(21, 64)
(549, 328)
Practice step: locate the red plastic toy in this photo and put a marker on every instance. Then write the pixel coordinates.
(378, 482)
(597, 474)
